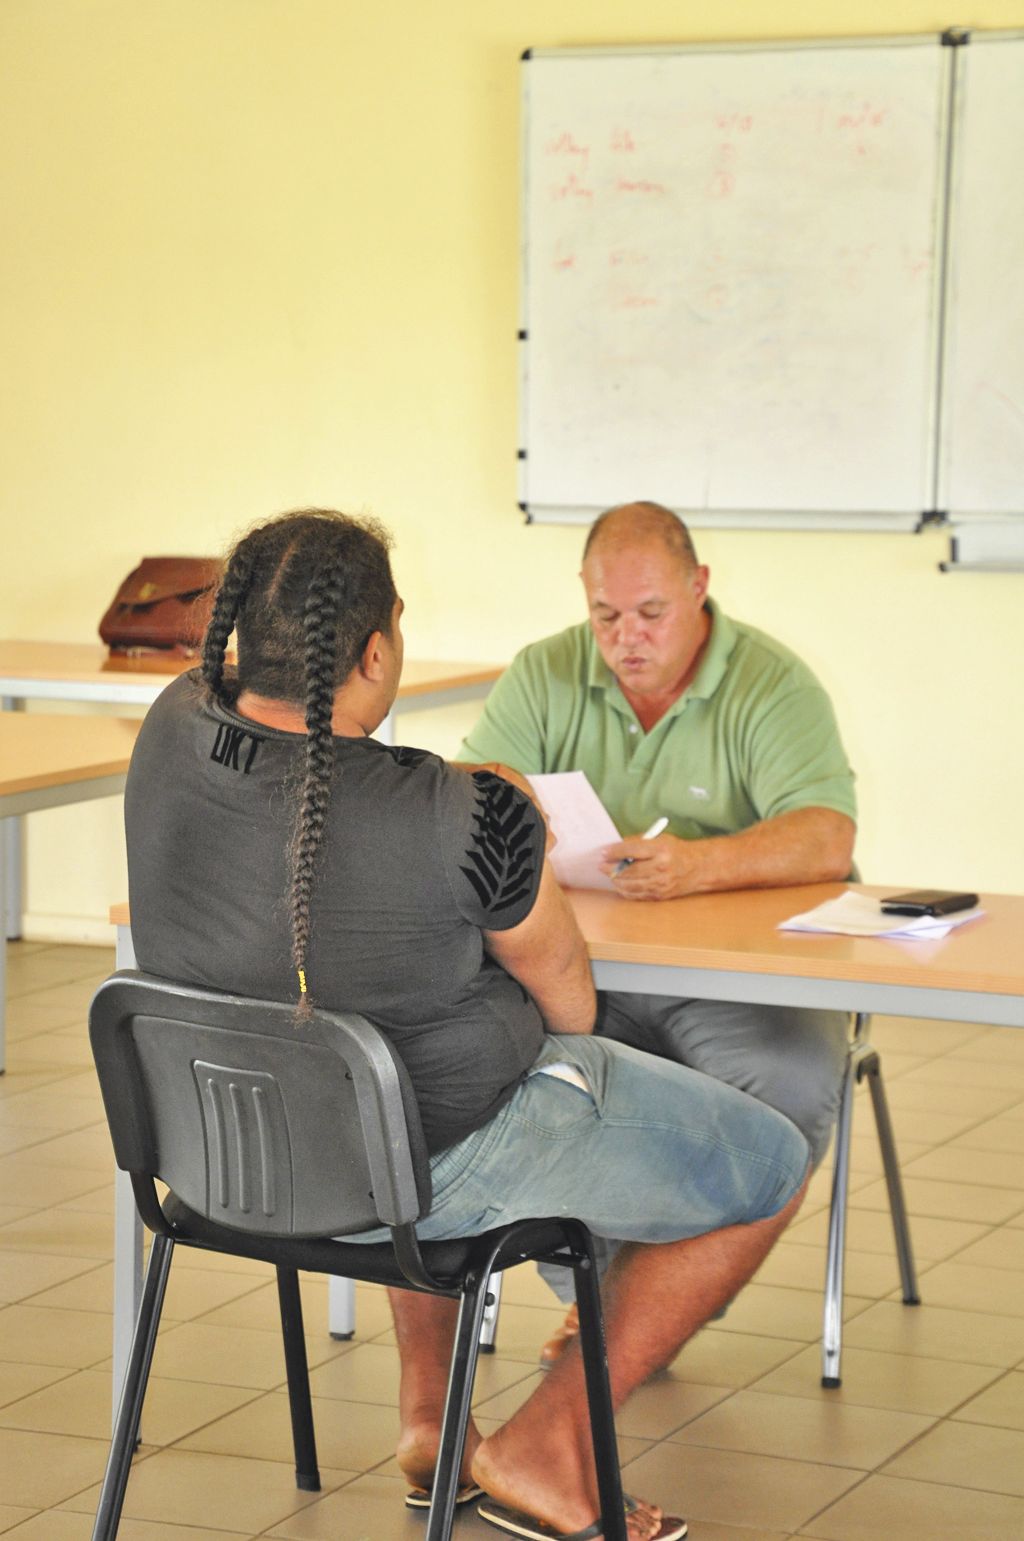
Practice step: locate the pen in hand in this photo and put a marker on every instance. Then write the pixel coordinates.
(649, 834)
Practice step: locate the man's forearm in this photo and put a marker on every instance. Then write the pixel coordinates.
(810, 845)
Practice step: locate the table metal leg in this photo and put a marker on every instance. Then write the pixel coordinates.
(3, 943)
(894, 1184)
(12, 885)
(12, 835)
(832, 1324)
(10, 896)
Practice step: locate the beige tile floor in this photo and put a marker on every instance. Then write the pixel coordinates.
(924, 1440)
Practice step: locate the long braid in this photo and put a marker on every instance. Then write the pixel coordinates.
(306, 591)
(234, 584)
(320, 623)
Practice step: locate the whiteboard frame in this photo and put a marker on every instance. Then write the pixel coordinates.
(864, 521)
(967, 519)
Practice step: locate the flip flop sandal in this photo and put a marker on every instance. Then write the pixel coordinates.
(419, 1497)
(516, 1522)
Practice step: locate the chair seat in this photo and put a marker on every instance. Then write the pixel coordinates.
(447, 1261)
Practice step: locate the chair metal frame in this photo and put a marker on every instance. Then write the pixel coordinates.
(218, 1097)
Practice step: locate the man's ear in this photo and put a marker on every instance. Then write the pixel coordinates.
(371, 662)
(702, 577)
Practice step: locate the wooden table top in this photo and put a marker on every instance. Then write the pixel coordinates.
(89, 663)
(737, 931)
(38, 751)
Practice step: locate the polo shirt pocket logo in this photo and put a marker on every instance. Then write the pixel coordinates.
(700, 793)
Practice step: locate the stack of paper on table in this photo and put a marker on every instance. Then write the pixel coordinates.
(854, 914)
(581, 825)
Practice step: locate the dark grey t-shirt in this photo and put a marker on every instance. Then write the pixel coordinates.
(417, 860)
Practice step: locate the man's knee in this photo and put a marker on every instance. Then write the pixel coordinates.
(794, 1060)
(804, 1078)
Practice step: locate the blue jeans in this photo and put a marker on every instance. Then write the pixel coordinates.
(794, 1060)
(651, 1151)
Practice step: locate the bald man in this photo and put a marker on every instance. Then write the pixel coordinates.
(673, 709)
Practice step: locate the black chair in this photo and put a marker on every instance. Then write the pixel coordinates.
(274, 1139)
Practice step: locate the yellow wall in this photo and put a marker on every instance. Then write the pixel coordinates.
(261, 253)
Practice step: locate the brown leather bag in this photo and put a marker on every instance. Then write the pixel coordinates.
(164, 604)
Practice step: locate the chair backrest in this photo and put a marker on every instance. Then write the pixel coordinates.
(254, 1120)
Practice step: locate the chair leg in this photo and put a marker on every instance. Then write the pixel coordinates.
(456, 1408)
(307, 1474)
(897, 1207)
(599, 1395)
(129, 1412)
(489, 1329)
(832, 1325)
(341, 1308)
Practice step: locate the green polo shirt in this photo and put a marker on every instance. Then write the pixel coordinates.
(753, 736)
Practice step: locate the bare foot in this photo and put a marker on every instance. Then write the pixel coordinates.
(418, 1446)
(551, 1489)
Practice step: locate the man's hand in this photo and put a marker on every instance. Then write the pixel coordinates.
(662, 868)
(808, 845)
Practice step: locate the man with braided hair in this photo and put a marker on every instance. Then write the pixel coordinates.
(420, 896)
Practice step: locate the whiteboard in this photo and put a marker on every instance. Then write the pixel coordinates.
(731, 280)
(982, 449)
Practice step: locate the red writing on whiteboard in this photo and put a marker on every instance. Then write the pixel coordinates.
(723, 171)
(622, 139)
(572, 187)
(734, 122)
(634, 302)
(563, 264)
(624, 256)
(625, 185)
(565, 144)
(866, 116)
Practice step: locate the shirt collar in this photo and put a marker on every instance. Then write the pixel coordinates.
(598, 674)
(713, 665)
(705, 682)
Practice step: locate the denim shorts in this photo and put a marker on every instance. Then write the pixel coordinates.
(652, 1151)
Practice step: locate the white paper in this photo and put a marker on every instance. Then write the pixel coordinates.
(854, 914)
(582, 827)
